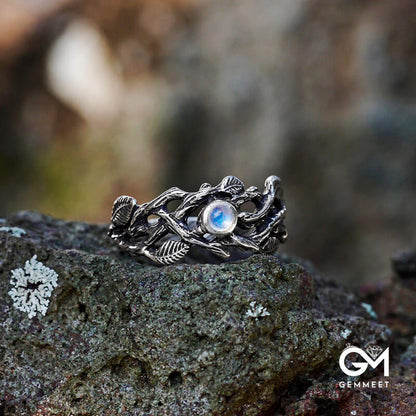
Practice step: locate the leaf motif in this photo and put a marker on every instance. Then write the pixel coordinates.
(122, 210)
(232, 184)
(205, 185)
(170, 252)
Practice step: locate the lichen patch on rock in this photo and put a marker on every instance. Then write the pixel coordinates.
(32, 287)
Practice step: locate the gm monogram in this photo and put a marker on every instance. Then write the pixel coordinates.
(373, 356)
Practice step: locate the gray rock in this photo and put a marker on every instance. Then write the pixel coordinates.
(123, 337)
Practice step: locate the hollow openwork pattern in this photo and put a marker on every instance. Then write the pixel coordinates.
(168, 237)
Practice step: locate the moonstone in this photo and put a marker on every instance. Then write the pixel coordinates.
(219, 218)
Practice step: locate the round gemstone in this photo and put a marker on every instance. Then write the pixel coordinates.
(219, 218)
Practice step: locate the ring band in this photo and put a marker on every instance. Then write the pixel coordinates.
(220, 221)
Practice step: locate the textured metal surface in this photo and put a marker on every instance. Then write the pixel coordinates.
(168, 237)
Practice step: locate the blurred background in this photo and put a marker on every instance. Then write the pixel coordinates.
(99, 99)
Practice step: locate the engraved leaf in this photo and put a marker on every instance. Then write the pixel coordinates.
(232, 184)
(205, 185)
(122, 210)
(170, 252)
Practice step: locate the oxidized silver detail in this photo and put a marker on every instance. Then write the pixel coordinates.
(169, 237)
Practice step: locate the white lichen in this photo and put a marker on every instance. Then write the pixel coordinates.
(369, 309)
(14, 231)
(345, 333)
(32, 287)
(256, 311)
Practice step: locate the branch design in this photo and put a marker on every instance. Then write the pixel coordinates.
(168, 237)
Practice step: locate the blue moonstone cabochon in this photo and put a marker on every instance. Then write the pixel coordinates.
(219, 217)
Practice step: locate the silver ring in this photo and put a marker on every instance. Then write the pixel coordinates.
(213, 218)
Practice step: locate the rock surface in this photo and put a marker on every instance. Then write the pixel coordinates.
(124, 337)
